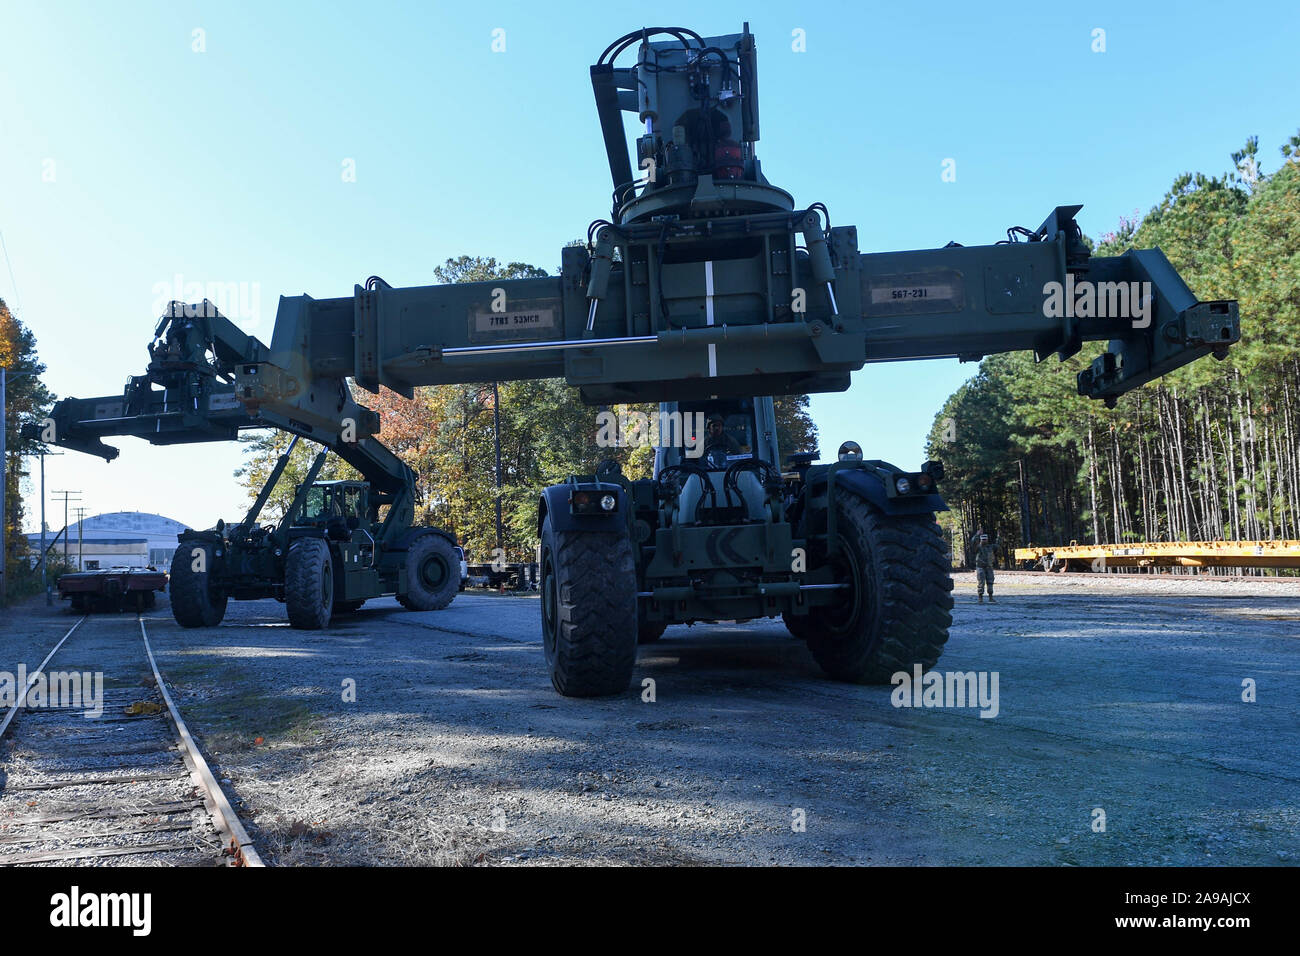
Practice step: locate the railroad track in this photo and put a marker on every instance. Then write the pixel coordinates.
(124, 786)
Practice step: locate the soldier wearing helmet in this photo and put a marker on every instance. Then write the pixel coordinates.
(715, 436)
(983, 548)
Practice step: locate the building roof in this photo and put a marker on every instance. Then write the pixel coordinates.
(35, 538)
(138, 521)
(115, 525)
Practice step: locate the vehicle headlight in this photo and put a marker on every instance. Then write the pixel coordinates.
(608, 502)
(903, 485)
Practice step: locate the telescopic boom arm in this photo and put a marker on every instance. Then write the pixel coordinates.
(707, 281)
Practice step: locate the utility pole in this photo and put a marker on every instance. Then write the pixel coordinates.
(67, 496)
(1026, 528)
(45, 582)
(81, 520)
(496, 438)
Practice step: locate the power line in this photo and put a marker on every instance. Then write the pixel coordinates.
(10, 266)
(67, 496)
(81, 524)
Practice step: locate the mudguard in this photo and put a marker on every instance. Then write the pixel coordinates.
(870, 487)
(555, 503)
(407, 538)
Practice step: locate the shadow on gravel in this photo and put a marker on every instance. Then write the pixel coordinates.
(454, 715)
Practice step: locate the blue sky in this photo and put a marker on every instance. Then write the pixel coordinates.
(128, 159)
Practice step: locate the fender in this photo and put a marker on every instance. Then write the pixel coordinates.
(555, 503)
(407, 538)
(870, 487)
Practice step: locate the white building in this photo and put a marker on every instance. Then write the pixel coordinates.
(132, 539)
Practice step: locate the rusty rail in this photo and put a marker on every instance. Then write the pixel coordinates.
(238, 844)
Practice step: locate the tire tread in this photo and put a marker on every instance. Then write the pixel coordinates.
(595, 652)
(914, 598)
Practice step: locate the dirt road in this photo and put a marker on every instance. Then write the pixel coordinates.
(1115, 696)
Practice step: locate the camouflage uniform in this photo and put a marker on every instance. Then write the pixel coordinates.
(984, 566)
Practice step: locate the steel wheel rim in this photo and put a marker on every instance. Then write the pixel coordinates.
(850, 571)
(550, 604)
(434, 572)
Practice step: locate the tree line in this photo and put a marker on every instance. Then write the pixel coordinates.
(1207, 452)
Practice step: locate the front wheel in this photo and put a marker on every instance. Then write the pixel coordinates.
(309, 583)
(898, 607)
(195, 601)
(589, 620)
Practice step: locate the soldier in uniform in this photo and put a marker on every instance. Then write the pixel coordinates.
(717, 437)
(983, 549)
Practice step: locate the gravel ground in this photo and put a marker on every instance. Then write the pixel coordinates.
(133, 792)
(1120, 694)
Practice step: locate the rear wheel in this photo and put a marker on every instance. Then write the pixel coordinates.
(899, 605)
(432, 574)
(799, 625)
(309, 583)
(589, 620)
(195, 601)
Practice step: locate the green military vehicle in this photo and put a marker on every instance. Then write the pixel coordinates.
(848, 554)
(707, 285)
(326, 555)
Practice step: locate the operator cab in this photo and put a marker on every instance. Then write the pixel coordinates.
(712, 434)
(335, 502)
(720, 457)
(728, 437)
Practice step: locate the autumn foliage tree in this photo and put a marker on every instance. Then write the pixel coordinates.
(26, 399)
(446, 434)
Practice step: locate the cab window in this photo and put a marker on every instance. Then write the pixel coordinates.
(352, 503)
(315, 506)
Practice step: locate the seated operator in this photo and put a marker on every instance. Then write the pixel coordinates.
(716, 436)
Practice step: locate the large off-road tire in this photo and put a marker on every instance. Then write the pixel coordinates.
(195, 602)
(309, 583)
(589, 621)
(799, 625)
(899, 609)
(432, 574)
